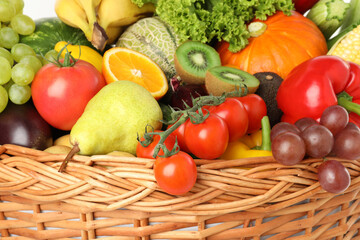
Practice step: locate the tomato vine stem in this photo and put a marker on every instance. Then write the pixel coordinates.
(194, 113)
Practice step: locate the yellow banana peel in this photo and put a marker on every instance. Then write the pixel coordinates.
(87, 53)
(71, 13)
(102, 21)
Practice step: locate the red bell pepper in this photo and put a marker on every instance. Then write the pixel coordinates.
(317, 84)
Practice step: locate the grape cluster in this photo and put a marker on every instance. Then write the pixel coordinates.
(18, 62)
(332, 135)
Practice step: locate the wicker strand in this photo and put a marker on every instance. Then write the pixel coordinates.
(113, 197)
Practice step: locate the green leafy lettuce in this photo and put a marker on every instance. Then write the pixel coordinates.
(208, 20)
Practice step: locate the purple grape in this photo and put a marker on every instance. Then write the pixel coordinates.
(333, 176)
(335, 118)
(305, 122)
(352, 125)
(347, 144)
(318, 139)
(288, 148)
(282, 127)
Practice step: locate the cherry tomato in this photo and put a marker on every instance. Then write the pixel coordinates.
(60, 94)
(256, 109)
(175, 174)
(235, 116)
(208, 139)
(179, 134)
(148, 152)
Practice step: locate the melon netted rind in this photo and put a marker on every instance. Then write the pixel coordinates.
(154, 38)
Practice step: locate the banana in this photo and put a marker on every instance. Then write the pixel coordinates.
(90, 8)
(119, 13)
(72, 14)
(102, 21)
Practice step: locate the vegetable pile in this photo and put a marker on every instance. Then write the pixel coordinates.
(206, 21)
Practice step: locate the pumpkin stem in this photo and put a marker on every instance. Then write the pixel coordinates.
(256, 29)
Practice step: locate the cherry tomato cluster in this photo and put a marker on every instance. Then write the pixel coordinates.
(226, 122)
(204, 134)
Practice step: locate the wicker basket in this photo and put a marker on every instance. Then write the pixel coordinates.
(237, 199)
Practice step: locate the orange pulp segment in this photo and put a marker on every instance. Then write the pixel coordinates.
(121, 63)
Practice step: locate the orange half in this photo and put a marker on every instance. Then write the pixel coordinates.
(121, 63)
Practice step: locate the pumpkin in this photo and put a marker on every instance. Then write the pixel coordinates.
(277, 45)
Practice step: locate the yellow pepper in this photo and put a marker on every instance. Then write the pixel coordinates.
(83, 52)
(252, 140)
(251, 145)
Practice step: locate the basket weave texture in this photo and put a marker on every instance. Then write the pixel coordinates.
(112, 197)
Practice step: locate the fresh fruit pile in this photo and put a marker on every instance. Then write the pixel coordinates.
(152, 79)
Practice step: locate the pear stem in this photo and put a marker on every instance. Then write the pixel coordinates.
(75, 149)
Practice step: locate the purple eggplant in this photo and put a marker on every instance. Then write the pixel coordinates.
(22, 125)
(184, 93)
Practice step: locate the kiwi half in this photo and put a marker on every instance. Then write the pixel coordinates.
(192, 59)
(222, 79)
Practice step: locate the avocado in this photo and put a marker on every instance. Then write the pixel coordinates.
(269, 85)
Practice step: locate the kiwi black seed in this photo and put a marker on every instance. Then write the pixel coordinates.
(192, 59)
(222, 79)
(269, 85)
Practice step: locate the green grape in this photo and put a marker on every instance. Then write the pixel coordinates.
(8, 85)
(21, 50)
(19, 94)
(50, 56)
(6, 54)
(5, 71)
(18, 4)
(23, 24)
(41, 58)
(22, 74)
(32, 61)
(8, 37)
(4, 98)
(7, 11)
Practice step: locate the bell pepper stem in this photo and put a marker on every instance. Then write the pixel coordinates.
(345, 100)
(265, 133)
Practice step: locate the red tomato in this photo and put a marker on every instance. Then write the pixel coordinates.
(235, 116)
(179, 134)
(256, 109)
(208, 139)
(148, 152)
(175, 174)
(60, 94)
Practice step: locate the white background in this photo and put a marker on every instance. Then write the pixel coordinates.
(45, 8)
(39, 8)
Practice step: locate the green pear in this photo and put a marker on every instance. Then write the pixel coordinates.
(113, 118)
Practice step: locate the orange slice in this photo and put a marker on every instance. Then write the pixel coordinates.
(121, 63)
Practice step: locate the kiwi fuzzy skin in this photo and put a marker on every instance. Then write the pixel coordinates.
(185, 76)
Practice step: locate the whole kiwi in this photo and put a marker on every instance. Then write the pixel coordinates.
(192, 59)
